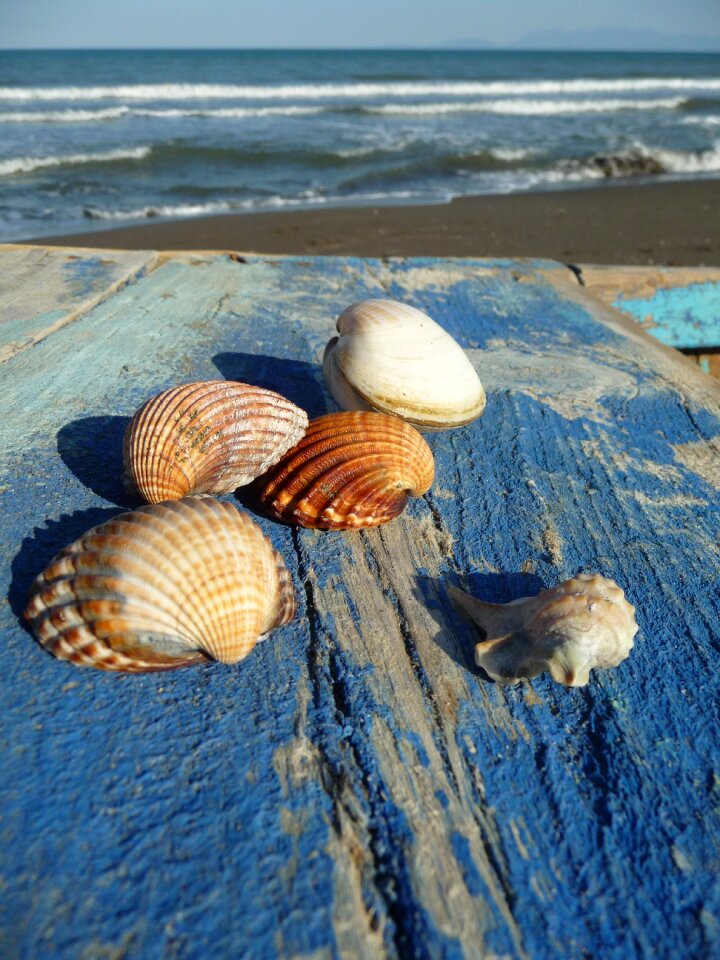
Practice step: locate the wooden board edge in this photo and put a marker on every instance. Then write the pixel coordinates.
(148, 265)
(675, 366)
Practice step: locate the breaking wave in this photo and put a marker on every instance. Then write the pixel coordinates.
(703, 121)
(28, 164)
(117, 113)
(642, 161)
(525, 107)
(316, 91)
(64, 116)
(307, 199)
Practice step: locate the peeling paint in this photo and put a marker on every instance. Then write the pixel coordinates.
(584, 382)
(702, 457)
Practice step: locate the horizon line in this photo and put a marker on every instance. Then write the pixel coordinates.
(404, 48)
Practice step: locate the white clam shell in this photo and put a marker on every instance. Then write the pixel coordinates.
(568, 630)
(393, 358)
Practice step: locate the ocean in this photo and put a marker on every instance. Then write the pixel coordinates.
(91, 139)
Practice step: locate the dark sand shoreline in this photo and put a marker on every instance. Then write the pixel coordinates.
(674, 224)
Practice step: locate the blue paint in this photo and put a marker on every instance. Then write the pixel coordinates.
(152, 814)
(472, 878)
(418, 747)
(147, 793)
(588, 807)
(85, 275)
(686, 317)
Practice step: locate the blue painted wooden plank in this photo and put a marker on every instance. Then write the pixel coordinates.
(42, 289)
(356, 787)
(679, 306)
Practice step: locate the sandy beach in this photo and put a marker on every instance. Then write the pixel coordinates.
(674, 224)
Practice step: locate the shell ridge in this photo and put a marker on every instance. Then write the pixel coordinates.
(349, 470)
(242, 624)
(150, 435)
(222, 586)
(185, 439)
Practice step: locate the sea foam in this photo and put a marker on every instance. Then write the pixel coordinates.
(28, 164)
(308, 199)
(525, 107)
(317, 91)
(118, 113)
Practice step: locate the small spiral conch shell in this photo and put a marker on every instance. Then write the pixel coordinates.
(583, 623)
(393, 358)
(207, 437)
(167, 585)
(349, 470)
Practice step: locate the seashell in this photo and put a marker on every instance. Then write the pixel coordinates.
(349, 470)
(167, 585)
(393, 358)
(208, 437)
(583, 623)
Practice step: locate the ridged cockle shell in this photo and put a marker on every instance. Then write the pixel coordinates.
(583, 623)
(208, 437)
(164, 586)
(393, 358)
(349, 470)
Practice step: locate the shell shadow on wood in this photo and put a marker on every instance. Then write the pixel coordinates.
(91, 448)
(583, 623)
(452, 637)
(393, 358)
(350, 470)
(207, 437)
(164, 586)
(45, 542)
(299, 381)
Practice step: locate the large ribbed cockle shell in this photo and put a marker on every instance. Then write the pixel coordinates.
(568, 630)
(349, 470)
(393, 358)
(207, 437)
(164, 586)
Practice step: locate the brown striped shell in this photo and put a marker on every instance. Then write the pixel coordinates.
(164, 586)
(349, 470)
(568, 630)
(207, 437)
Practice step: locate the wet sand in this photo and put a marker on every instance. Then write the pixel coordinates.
(674, 224)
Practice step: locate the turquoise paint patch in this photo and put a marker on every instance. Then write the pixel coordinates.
(685, 317)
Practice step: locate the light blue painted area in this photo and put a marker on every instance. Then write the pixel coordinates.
(19, 329)
(254, 810)
(686, 317)
(41, 288)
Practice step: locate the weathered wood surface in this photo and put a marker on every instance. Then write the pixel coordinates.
(678, 305)
(355, 788)
(42, 289)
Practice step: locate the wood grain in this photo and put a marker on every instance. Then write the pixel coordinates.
(42, 289)
(355, 787)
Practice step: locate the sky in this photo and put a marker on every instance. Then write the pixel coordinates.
(687, 24)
